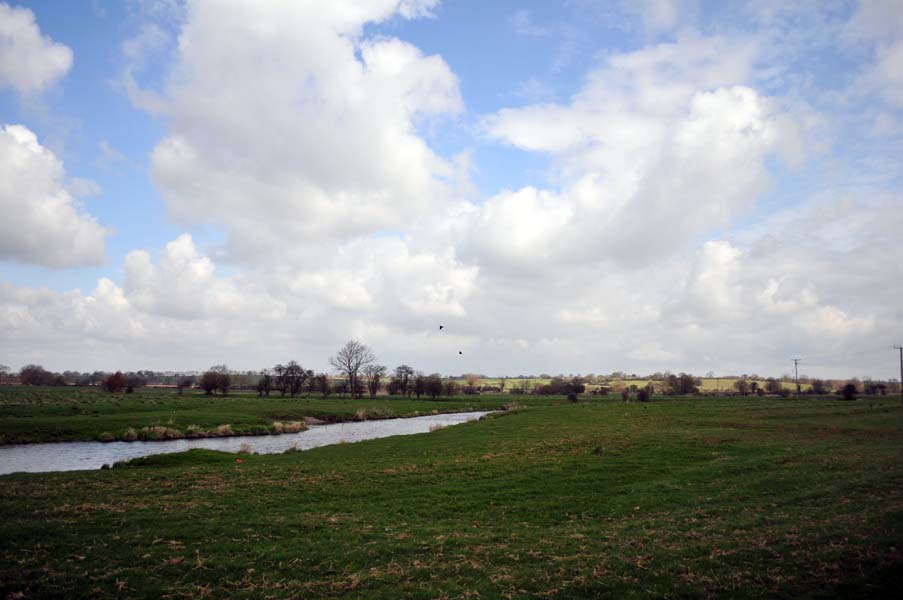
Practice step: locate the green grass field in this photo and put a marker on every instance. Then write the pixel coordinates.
(30, 414)
(685, 497)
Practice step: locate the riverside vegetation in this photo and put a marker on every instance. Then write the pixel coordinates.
(747, 497)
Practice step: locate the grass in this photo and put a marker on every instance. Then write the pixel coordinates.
(70, 413)
(740, 497)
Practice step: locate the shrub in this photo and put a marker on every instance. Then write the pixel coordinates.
(849, 391)
(114, 383)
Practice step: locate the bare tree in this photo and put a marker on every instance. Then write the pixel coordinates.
(419, 384)
(281, 379)
(295, 376)
(322, 385)
(349, 360)
(216, 378)
(265, 383)
(184, 382)
(433, 386)
(373, 374)
(402, 379)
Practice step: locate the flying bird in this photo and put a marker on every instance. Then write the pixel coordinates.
(441, 327)
(459, 352)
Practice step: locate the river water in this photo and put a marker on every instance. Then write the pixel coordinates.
(76, 456)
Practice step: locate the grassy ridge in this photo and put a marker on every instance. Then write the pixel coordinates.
(69, 413)
(740, 497)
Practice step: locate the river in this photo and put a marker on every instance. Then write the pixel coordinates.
(77, 456)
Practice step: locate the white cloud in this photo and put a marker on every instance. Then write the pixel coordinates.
(643, 151)
(42, 224)
(29, 62)
(660, 16)
(317, 136)
(885, 76)
(184, 286)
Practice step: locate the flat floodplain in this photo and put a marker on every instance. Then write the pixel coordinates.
(57, 414)
(739, 497)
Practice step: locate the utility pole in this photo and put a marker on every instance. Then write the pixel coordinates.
(900, 348)
(796, 375)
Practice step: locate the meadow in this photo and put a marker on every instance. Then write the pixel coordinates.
(45, 414)
(741, 497)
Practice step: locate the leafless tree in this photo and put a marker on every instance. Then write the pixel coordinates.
(374, 373)
(349, 360)
(322, 385)
(184, 382)
(402, 379)
(4, 372)
(265, 383)
(433, 386)
(281, 379)
(216, 377)
(295, 376)
(419, 384)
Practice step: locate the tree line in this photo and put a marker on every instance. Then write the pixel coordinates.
(360, 373)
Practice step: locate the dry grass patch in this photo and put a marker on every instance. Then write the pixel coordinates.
(159, 432)
(223, 430)
(288, 427)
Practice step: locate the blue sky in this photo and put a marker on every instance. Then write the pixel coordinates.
(578, 186)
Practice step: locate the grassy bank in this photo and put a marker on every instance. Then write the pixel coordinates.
(29, 414)
(684, 497)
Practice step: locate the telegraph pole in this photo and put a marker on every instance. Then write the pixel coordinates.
(900, 348)
(796, 375)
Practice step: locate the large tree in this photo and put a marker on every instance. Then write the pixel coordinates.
(349, 361)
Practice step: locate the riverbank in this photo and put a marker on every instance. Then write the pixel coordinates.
(749, 498)
(81, 456)
(31, 415)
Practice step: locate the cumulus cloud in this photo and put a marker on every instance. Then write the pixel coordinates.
(184, 285)
(643, 151)
(317, 137)
(175, 307)
(42, 223)
(29, 62)
(301, 141)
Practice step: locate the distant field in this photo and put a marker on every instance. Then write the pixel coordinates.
(40, 414)
(684, 497)
(707, 384)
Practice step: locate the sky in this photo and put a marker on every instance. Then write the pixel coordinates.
(567, 187)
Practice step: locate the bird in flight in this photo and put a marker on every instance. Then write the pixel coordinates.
(441, 327)
(459, 352)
